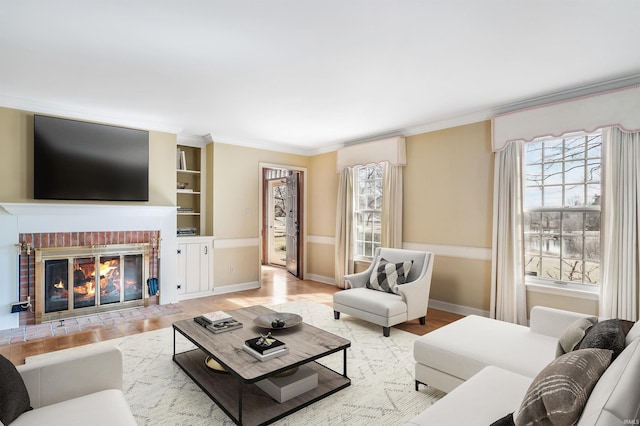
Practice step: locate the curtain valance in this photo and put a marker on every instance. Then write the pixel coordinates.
(616, 108)
(392, 150)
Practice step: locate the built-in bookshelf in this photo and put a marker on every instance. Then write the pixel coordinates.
(190, 170)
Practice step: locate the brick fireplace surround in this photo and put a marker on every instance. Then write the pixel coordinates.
(75, 239)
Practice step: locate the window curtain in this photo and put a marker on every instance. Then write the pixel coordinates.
(392, 206)
(344, 227)
(508, 293)
(621, 257)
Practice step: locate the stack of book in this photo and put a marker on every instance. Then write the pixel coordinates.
(187, 231)
(263, 352)
(185, 209)
(218, 322)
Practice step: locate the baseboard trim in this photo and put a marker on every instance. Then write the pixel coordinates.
(457, 309)
(232, 288)
(188, 296)
(320, 279)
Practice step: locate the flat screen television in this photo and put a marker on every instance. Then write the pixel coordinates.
(76, 160)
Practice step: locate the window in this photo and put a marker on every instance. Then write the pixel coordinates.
(367, 209)
(562, 209)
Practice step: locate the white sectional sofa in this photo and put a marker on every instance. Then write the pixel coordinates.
(450, 355)
(487, 367)
(81, 389)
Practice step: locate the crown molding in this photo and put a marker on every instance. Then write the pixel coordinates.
(572, 93)
(462, 119)
(258, 144)
(65, 111)
(192, 140)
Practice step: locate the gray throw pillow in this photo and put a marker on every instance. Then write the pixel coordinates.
(387, 276)
(573, 335)
(606, 334)
(14, 398)
(504, 421)
(560, 391)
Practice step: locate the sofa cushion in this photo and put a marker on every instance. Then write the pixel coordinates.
(559, 393)
(573, 335)
(466, 346)
(606, 334)
(481, 400)
(104, 408)
(616, 397)
(14, 397)
(386, 276)
(374, 302)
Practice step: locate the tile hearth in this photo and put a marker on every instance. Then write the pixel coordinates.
(71, 325)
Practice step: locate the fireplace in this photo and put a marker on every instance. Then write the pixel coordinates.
(81, 280)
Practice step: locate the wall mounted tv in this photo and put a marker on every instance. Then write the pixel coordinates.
(76, 160)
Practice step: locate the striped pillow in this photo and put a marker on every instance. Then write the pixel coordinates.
(560, 391)
(388, 276)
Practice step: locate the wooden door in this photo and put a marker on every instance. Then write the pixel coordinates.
(293, 225)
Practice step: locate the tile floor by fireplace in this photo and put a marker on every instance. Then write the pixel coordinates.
(72, 325)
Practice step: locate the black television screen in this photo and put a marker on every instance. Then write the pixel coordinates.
(76, 160)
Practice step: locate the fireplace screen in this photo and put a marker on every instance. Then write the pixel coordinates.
(57, 291)
(132, 277)
(97, 281)
(84, 282)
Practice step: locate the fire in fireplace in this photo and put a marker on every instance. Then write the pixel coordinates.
(82, 280)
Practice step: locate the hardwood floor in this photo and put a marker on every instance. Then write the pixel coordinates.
(277, 287)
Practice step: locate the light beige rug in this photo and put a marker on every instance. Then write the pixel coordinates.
(381, 371)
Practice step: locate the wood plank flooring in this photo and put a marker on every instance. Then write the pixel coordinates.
(278, 286)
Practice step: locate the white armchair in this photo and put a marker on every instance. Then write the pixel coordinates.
(388, 309)
(84, 388)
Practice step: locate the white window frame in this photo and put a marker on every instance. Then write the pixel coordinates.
(549, 285)
(370, 206)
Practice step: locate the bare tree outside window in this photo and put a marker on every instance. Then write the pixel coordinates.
(562, 209)
(279, 199)
(368, 209)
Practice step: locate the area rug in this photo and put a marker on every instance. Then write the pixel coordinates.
(381, 371)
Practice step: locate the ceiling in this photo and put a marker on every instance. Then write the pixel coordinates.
(308, 76)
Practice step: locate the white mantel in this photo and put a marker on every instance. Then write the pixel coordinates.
(18, 218)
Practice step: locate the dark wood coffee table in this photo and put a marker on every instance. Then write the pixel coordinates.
(234, 391)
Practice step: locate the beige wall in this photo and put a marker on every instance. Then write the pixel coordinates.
(16, 161)
(323, 194)
(568, 303)
(210, 186)
(320, 260)
(322, 189)
(246, 268)
(162, 159)
(236, 177)
(448, 186)
(236, 210)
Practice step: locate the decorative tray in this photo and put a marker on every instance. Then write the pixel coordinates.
(277, 320)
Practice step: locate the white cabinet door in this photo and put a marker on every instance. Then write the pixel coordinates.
(195, 266)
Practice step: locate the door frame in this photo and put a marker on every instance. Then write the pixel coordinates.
(303, 214)
(267, 243)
